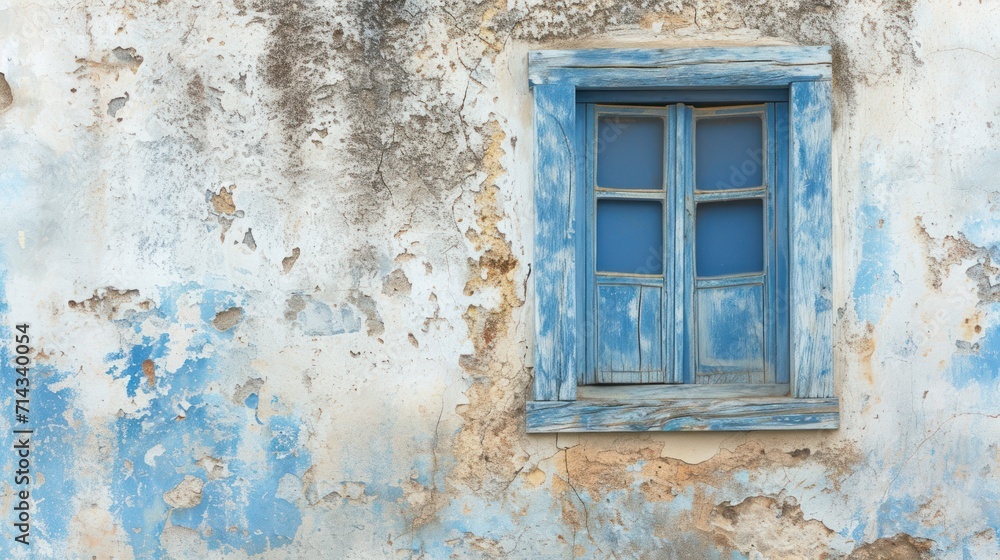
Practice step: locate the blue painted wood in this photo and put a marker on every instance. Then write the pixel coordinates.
(735, 343)
(651, 334)
(604, 194)
(781, 295)
(692, 96)
(584, 298)
(673, 235)
(617, 333)
(555, 256)
(791, 56)
(683, 366)
(617, 279)
(629, 334)
(730, 323)
(590, 374)
(808, 183)
(727, 281)
(683, 415)
(811, 240)
(744, 74)
(719, 196)
(633, 393)
(625, 337)
(770, 254)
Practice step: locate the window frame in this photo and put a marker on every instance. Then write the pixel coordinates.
(561, 224)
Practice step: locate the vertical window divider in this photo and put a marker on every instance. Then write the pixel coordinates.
(781, 203)
(584, 201)
(670, 301)
(684, 253)
(770, 253)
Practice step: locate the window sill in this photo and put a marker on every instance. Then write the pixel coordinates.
(683, 414)
(633, 393)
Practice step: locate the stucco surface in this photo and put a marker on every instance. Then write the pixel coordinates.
(276, 261)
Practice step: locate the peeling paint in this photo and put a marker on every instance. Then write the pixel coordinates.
(227, 319)
(6, 95)
(897, 547)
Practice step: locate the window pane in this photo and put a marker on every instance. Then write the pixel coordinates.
(729, 153)
(630, 236)
(729, 237)
(629, 152)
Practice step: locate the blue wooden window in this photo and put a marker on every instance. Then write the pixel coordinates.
(682, 240)
(653, 316)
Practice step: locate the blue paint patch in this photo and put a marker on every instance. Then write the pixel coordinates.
(150, 349)
(900, 515)
(319, 319)
(51, 444)
(192, 422)
(53, 453)
(465, 515)
(13, 183)
(873, 282)
(982, 366)
(982, 230)
(857, 534)
(823, 304)
(240, 511)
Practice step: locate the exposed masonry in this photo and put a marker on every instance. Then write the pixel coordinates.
(6, 95)
(227, 319)
(277, 254)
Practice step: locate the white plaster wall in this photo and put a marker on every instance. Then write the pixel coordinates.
(366, 398)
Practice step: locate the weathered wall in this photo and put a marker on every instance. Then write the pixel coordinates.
(276, 258)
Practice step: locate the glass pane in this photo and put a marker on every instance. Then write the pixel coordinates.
(729, 153)
(629, 152)
(630, 236)
(729, 237)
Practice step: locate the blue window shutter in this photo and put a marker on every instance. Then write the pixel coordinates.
(731, 226)
(628, 178)
(811, 239)
(556, 360)
(584, 282)
(629, 333)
